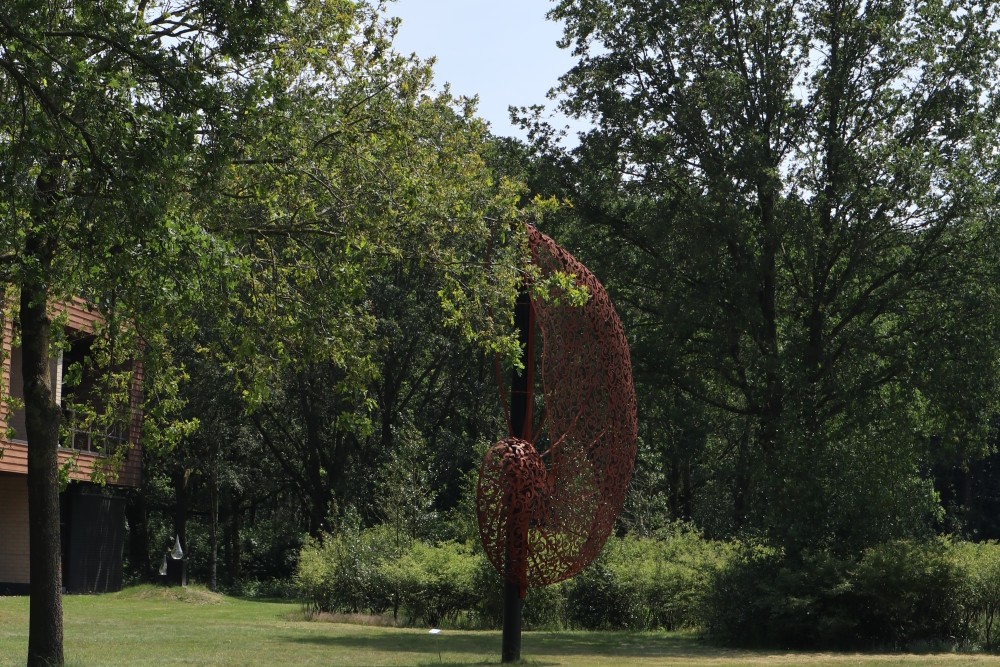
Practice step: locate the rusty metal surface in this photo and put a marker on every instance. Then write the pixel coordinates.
(545, 516)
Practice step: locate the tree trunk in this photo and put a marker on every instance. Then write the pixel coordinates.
(773, 404)
(233, 540)
(741, 483)
(213, 583)
(42, 415)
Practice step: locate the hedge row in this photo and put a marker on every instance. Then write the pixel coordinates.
(896, 595)
(636, 583)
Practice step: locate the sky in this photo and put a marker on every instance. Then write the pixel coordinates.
(504, 51)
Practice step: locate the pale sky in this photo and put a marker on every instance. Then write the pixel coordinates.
(502, 50)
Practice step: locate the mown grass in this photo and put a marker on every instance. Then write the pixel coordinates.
(154, 626)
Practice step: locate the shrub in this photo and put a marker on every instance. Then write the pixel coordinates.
(646, 583)
(979, 594)
(344, 573)
(545, 608)
(270, 549)
(893, 595)
(600, 600)
(637, 583)
(269, 588)
(669, 576)
(739, 605)
(434, 583)
(906, 591)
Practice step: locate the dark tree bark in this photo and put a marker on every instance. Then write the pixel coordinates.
(42, 415)
(233, 550)
(214, 527)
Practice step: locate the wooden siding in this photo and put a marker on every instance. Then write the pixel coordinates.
(5, 339)
(14, 561)
(14, 459)
(79, 316)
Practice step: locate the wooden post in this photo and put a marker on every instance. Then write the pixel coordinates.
(521, 398)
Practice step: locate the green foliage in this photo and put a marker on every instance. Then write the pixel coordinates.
(906, 591)
(434, 583)
(370, 571)
(897, 593)
(360, 247)
(544, 608)
(671, 574)
(793, 203)
(597, 600)
(637, 584)
(979, 594)
(275, 589)
(646, 583)
(344, 572)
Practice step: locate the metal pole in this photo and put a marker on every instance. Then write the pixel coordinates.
(521, 395)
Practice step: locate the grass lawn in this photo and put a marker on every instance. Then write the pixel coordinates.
(153, 626)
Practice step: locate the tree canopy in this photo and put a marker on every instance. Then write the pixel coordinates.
(265, 160)
(796, 201)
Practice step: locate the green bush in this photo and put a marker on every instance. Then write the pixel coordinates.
(269, 588)
(893, 595)
(739, 606)
(489, 592)
(646, 583)
(599, 600)
(545, 608)
(434, 583)
(903, 592)
(669, 576)
(344, 572)
(979, 594)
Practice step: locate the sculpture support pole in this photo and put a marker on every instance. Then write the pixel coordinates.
(521, 399)
(544, 516)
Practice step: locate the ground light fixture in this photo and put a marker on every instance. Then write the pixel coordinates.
(437, 635)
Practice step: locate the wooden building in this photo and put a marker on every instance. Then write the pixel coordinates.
(92, 516)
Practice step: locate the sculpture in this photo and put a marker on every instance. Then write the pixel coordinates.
(544, 516)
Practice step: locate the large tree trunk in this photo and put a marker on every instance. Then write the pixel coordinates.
(42, 415)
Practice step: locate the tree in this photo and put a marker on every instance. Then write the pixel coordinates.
(795, 202)
(108, 109)
(158, 155)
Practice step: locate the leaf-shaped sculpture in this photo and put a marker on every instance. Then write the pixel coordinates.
(544, 517)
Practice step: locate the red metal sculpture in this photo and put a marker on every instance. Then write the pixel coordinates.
(543, 517)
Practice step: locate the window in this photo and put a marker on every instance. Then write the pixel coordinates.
(78, 391)
(83, 402)
(16, 418)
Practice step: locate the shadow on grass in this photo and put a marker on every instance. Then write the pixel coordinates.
(492, 661)
(620, 644)
(402, 643)
(600, 644)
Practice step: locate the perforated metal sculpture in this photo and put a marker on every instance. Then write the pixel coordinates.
(543, 517)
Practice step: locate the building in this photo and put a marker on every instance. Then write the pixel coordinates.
(92, 516)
